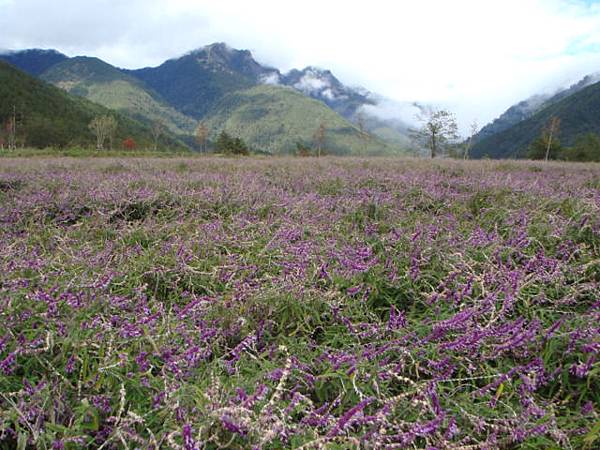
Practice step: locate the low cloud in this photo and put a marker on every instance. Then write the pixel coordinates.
(402, 114)
(310, 83)
(272, 78)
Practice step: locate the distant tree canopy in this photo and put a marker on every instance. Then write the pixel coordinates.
(302, 149)
(230, 145)
(547, 145)
(542, 148)
(586, 148)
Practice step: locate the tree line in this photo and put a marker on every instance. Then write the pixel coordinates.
(548, 146)
(439, 135)
(227, 144)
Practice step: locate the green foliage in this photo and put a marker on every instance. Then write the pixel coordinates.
(579, 114)
(50, 117)
(538, 148)
(108, 86)
(302, 149)
(229, 145)
(586, 148)
(192, 84)
(275, 119)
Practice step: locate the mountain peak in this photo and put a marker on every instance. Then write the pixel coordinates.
(215, 47)
(220, 47)
(33, 61)
(220, 50)
(316, 70)
(82, 68)
(33, 51)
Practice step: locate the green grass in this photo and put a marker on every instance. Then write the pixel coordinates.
(93, 153)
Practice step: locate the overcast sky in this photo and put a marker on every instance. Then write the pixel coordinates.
(475, 57)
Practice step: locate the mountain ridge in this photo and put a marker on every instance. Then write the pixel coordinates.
(578, 112)
(525, 109)
(194, 83)
(49, 116)
(279, 126)
(109, 86)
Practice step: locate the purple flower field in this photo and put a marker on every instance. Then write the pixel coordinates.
(299, 303)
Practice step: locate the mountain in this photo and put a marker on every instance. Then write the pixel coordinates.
(579, 113)
(197, 81)
(34, 61)
(102, 83)
(324, 86)
(512, 116)
(275, 118)
(194, 83)
(527, 108)
(183, 90)
(47, 116)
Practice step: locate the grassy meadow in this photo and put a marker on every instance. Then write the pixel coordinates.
(205, 303)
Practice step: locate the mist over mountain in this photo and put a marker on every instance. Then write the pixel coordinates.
(577, 107)
(195, 81)
(529, 107)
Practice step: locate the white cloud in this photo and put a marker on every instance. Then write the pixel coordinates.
(328, 93)
(311, 83)
(476, 57)
(387, 109)
(271, 78)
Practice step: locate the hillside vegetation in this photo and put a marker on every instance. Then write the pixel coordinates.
(194, 83)
(47, 116)
(579, 113)
(33, 61)
(275, 119)
(185, 90)
(108, 86)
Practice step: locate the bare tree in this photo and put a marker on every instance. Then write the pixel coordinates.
(362, 129)
(474, 129)
(158, 129)
(104, 128)
(112, 129)
(319, 138)
(202, 136)
(438, 130)
(10, 130)
(551, 131)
